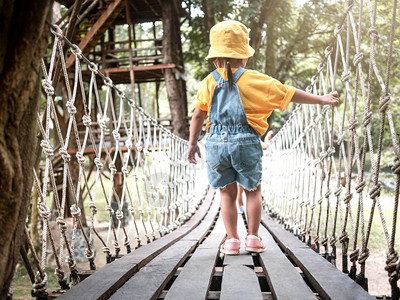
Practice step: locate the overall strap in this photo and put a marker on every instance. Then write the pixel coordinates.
(239, 72)
(216, 75)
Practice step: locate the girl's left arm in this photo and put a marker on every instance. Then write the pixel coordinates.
(302, 97)
(195, 129)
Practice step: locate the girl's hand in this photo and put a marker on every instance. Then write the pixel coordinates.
(330, 99)
(191, 156)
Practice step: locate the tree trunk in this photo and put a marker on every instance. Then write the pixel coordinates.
(256, 26)
(22, 44)
(209, 22)
(174, 81)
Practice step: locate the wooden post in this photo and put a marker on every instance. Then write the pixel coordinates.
(172, 50)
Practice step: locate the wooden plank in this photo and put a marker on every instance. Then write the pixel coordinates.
(195, 278)
(284, 280)
(245, 258)
(326, 279)
(150, 280)
(240, 282)
(108, 279)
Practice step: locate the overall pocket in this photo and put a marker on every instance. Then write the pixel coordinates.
(250, 154)
(212, 155)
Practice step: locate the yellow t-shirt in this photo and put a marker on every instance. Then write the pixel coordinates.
(260, 95)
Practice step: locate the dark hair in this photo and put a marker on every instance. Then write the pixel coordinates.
(230, 75)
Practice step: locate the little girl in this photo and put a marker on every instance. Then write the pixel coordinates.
(238, 103)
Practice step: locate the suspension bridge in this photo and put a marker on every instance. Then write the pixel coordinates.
(321, 188)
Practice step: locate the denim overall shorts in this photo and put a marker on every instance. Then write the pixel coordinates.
(233, 148)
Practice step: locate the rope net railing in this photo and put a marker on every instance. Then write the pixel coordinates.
(109, 157)
(323, 169)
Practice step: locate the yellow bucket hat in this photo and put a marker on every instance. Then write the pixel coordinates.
(229, 39)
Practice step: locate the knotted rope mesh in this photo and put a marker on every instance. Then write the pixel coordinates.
(322, 169)
(114, 143)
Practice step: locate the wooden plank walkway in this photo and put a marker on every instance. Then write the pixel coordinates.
(186, 264)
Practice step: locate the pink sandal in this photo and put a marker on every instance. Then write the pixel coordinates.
(231, 247)
(254, 244)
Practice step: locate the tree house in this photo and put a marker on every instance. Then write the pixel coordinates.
(132, 59)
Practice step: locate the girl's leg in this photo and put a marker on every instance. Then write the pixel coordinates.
(253, 209)
(228, 210)
(240, 196)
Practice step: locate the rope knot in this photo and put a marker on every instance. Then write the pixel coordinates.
(345, 76)
(93, 67)
(80, 158)
(333, 240)
(396, 166)
(384, 103)
(376, 191)
(48, 87)
(109, 209)
(76, 51)
(106, 250)
(344, 237)
(93, 207)
(360, 186)
(358, 58)
(391, 265)
(40, 283)
(60, 274)
(112, 168)
(349, 6)
(348, 198)
(367, 118)
(323, 155)
(119, 214)
(338, 191)
(125, 170)
(126, 242)
(89, 253)
(325, 109)
(71, 262)
(116, 245)
(71, 107)
(331, 151)
(116, 135)
(64, 154)
(102, 124)
(47, 149)
(340, 138)
(44, 211)
(328, 193)
(120, 93)
(132, 210)
(338, 30)
(364, 256)
(108, 82)
(373, 34)
(98, 163)
(354, 255)
(75, 210)
(56, 31)
(87, 121)
(328, 51)
(61, 223)
(353, 124)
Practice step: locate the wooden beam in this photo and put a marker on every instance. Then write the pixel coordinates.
(97, 30)
(140, 68)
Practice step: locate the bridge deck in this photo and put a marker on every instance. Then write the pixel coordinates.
(186, 264)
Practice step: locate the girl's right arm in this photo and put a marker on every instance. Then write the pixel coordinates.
(195, 129)
(302, 97)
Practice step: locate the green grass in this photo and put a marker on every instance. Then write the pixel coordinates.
(21, 285)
